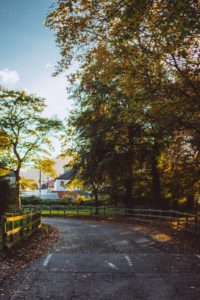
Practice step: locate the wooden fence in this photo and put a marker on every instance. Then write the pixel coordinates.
(15, 228)
(189, 221)
(177, 219)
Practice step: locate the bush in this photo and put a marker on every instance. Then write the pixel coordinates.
(37, 201)
(30, 200)
(7, 195)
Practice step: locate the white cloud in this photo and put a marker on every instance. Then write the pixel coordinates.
(8, 76)
(48, 65)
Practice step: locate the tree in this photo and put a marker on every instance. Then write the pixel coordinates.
(46, 165)
(4, 151)
(138, 86)
(85, 166)
(28, 183)
(27, 130)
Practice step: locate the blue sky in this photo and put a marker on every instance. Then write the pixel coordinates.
(28, 53)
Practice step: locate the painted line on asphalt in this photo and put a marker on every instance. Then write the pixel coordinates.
(47, 259)
(198, 256)
(129, 261)
(112, 265)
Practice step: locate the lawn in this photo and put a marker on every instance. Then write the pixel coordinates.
(86, 211)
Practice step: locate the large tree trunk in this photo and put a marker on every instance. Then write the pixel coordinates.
(96, 200)
(17, 200)
(113, 194)
(175, 204)
(129, 193)
(115, 197)
(156, 185)
(128, 183)
(190, 203)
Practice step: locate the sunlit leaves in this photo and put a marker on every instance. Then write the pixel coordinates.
(46, 165)
(137, 90)
(24, 131)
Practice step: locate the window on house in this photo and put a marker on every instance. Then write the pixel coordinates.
(62, 183)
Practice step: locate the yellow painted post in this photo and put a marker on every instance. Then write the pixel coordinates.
(12, 226)
(32, 220)
(178, 223)
(27, 224)
(38, 218)
(186, 222)
(22, 231)
(4, 234)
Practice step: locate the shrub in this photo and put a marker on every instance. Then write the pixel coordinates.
(30, 200)
(34, 200)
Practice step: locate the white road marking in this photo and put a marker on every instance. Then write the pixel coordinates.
(112, 265)
(125, 233)
(198, 256)
(128, 260)
(143, 240)
(47, 259)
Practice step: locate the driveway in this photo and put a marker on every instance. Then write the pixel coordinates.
(96, 260)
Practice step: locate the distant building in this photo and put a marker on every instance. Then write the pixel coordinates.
(60, 186)
(44, 186)
(56, 189)
(61, 181)
(50, 185)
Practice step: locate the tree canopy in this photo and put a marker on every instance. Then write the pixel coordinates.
(27, 132)
(136, 121)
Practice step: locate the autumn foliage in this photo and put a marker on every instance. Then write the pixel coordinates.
(135, 128)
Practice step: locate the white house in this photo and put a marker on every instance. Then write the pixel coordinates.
(62, 180)
(55, 189)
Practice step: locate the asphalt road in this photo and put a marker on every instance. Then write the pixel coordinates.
(94, 261)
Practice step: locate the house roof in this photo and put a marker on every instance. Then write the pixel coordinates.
(65, 176)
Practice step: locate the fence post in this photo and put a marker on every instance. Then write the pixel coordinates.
(4, 234)
(27, 224)
(22, 231)
(33, 218)
(186, 221)
(39, 223)
(178, 221)
(138, 213)
(11, 228)
(126, 212)
(169, 216)
(159, 215)
(196, 223)
(116, 212)
(77, 210)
